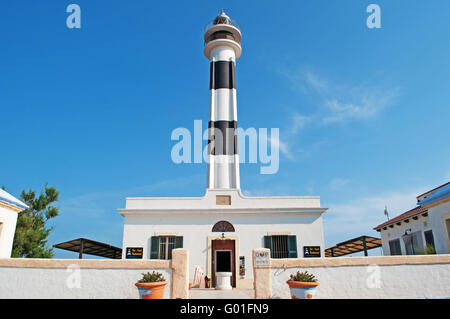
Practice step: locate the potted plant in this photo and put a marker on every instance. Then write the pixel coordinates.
(151, 285)
(302, 285)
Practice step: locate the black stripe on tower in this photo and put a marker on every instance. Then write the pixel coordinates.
(222, 75)
(222, 137)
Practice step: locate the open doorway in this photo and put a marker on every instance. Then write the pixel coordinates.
(223, 259)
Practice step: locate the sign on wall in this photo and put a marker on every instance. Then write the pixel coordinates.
(242, 266)
(311, 251)
(262, 258)
(134, 253)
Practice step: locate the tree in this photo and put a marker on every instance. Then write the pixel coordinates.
(30, 239)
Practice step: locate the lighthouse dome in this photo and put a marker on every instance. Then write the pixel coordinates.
(222, 18)
(220, 32)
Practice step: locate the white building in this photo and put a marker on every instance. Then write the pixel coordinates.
(427, 224)
(221, 228)
(9, 208)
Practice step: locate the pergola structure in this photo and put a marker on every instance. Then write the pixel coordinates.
(355, 245)
(91, 247)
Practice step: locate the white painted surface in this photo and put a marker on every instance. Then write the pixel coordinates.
(434, 221)
(8, 220)
(437, 218)
(222, 53)
(47, 283)
(398, 231)
(223, 102)
(374, 282)
(9, 199)
(239, 202)
(195, 227)
(223, 281)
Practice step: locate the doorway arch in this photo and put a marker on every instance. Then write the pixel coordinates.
(222, 227)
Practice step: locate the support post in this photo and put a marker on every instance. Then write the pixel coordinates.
(80, 256)
(180, 273)
(261, 276)
(365, 246)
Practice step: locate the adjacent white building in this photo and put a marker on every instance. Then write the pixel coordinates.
(221, 228)
(426, 224)
(9, 208)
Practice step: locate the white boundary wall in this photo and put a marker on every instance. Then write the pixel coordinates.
(385, 277)
(88, 278)
(372, 282)
(50, 283)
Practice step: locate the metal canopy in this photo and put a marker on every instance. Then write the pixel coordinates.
(355, 245)
(91, 247)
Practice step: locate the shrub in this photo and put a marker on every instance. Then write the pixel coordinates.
(152, 277)
(303, 277)
(428, 250)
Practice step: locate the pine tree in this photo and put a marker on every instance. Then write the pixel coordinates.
(30, 239)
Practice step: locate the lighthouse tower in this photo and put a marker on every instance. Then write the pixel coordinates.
(223, 48)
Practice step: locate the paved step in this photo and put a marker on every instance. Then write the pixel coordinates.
(205, 293)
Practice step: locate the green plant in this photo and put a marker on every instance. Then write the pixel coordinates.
(152, 277)
(303, 277)
(32, 230)
(428, 250)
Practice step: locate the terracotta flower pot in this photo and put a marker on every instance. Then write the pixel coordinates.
(302, 290)
(151, 290)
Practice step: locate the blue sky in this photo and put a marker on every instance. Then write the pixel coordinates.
(363, 113)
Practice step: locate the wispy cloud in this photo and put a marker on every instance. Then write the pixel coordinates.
(298, 122)
(99, 209)
(338, 184)
(358, 216)
(340, 101)
(333, 102)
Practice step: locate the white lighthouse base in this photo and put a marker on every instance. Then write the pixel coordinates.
(223, 281)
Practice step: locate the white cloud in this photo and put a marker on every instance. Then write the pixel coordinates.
(335, 102)
(337, 184)
(298, 122)
(345, 220)
(338, 101)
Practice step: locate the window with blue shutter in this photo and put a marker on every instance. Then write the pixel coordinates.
(161, 246)
(281, 246)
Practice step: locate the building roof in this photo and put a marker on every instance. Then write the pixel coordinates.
(426, 194)
(435, 195)
(423, 200)
(91, 247)
(403, 217)
(209, 204)
(354, 245)
(7, 198)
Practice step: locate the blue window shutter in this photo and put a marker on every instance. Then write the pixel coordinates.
(179, 242)
(268, 244)
(154, 247)
(292, 246)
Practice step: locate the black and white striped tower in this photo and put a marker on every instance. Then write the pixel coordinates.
(223, 48)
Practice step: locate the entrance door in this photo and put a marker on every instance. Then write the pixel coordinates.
(223, 259)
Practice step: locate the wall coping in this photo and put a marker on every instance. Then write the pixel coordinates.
(358, 261)
(85, 263)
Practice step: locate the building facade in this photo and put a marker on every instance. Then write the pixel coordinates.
(423, 229)
(221, 228)
(9, 208)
